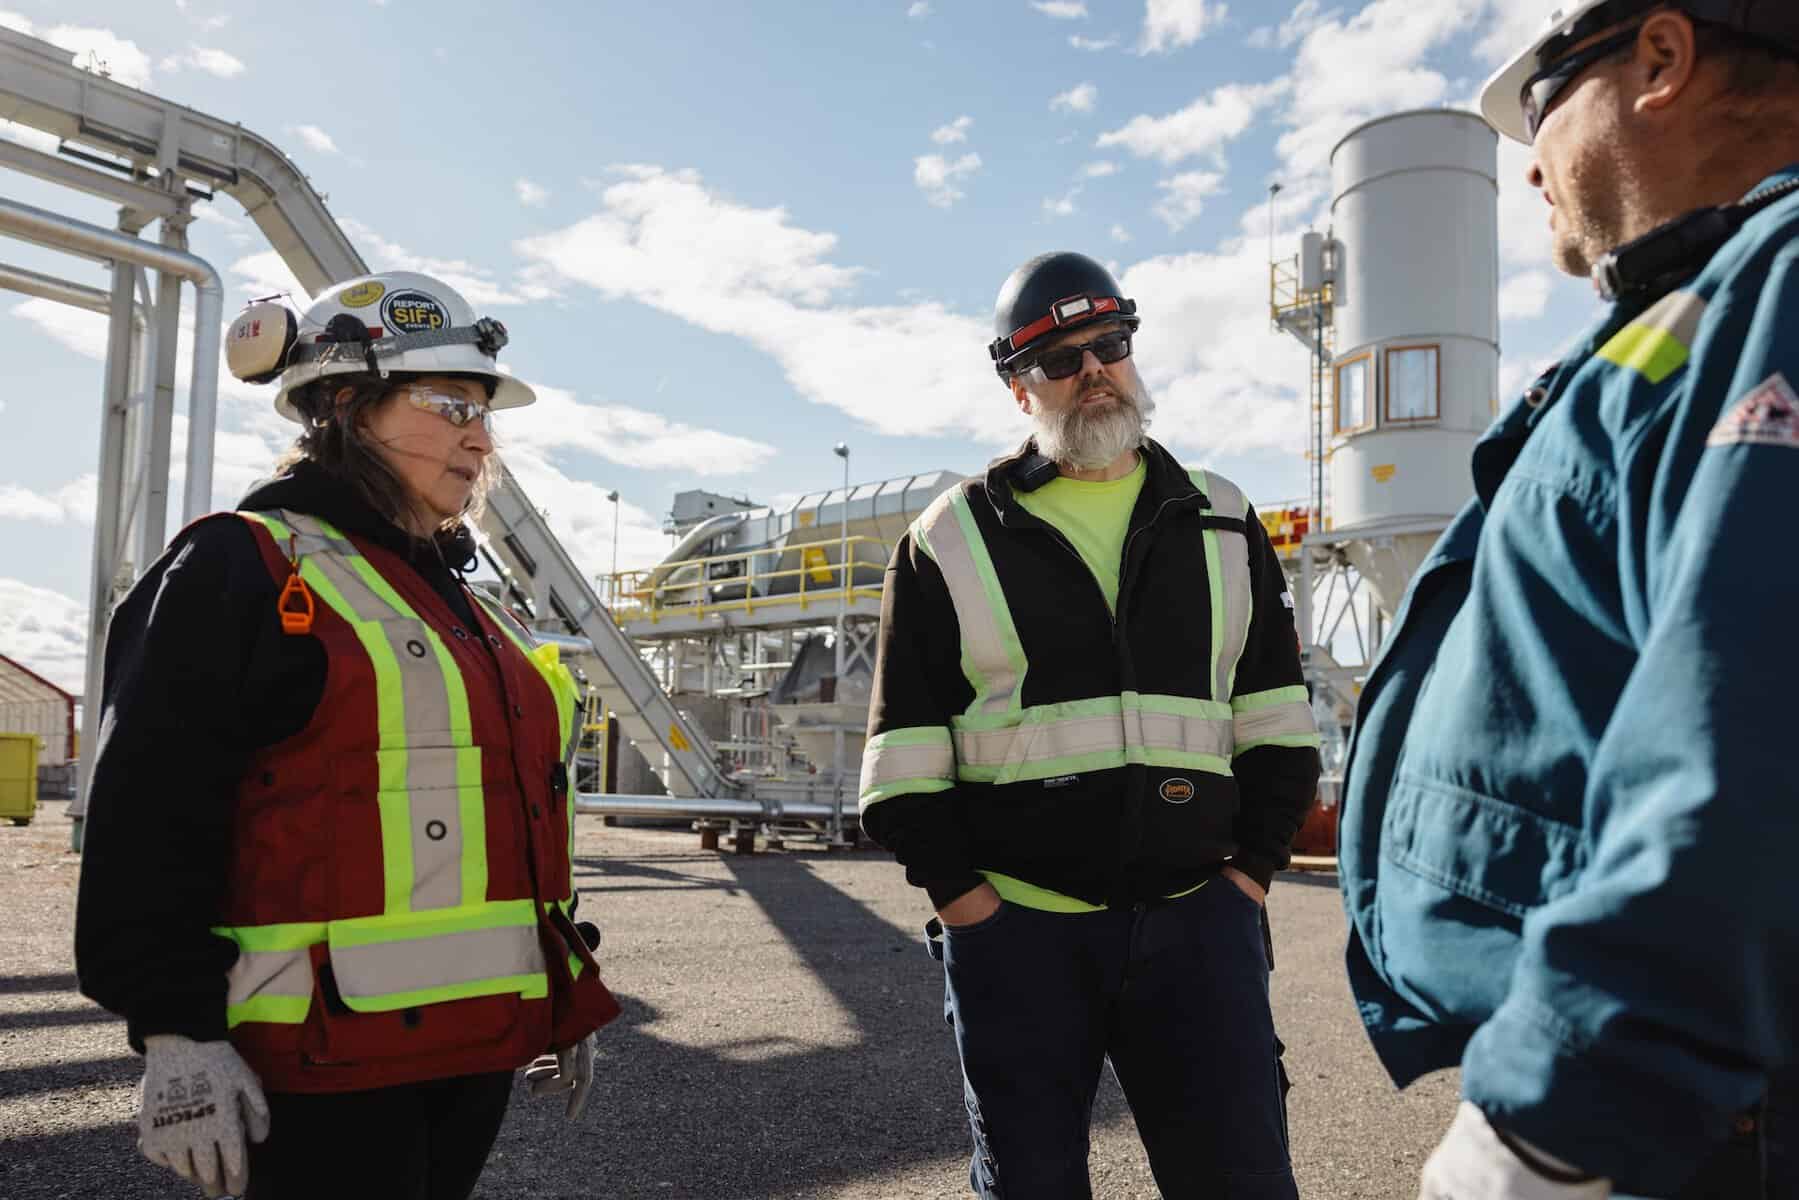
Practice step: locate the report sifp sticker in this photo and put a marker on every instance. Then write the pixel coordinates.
(414, 312)
(1767, 416)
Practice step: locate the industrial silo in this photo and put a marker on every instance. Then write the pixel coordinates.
(1415, 372)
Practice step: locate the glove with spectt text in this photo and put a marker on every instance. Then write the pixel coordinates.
(199, 1101)
(1472, 1163)
(569, 1070)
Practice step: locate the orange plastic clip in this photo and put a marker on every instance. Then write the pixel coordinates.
(295, 604)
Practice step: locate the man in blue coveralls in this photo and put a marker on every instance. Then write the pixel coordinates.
(1571, 804)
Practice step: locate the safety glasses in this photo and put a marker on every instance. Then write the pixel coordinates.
(1064, 361)
(1541, 89)
(458, 410)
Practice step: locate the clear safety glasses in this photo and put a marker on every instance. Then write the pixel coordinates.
(1064, 361)
(1541, 89)
(458, 410)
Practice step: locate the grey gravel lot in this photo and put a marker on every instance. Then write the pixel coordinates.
(782, 1036)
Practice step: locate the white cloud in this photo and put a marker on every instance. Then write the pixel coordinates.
(1371, 64)
(1525, 295)
(72, 502)
(316, 138)
(1204, 126)
(46, 631)
(1079, 98)
(1092, 44)
(1305, 17)
(1099, 170)
(1120, 234)
(1061, 206)
(1184, 197)
(955, 131)
(1513, 27)
(936, 176)
(100, 50)
(627, 436)
(1062, 10)
(1523, 215)
(1172, 24)
(919, 10)
(664, 239)
(531, 195)
(202, 58)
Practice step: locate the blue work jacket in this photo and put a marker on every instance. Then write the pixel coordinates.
(1572, 799)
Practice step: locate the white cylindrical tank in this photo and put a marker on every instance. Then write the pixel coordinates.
(1415, 203)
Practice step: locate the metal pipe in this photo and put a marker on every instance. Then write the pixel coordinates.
(614, 805)
(63, 291)
(52, 229)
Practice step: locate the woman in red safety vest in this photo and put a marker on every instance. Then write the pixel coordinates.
(327, 869)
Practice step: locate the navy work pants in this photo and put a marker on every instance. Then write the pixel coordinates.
(1174, 993)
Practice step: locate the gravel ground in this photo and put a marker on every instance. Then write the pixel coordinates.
(782, 1037)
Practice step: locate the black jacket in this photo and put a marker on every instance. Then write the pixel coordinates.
(198, 677)
(1105, 836)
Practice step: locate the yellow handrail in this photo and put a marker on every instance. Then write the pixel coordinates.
(632, 597)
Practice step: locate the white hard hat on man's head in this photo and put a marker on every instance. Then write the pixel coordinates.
(1574, 21)
(396, 322)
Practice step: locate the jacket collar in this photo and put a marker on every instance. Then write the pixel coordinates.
(308, 488)
(1164, 478)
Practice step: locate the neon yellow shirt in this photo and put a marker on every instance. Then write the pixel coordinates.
(1093, 516)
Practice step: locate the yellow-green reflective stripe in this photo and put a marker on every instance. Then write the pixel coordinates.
(1657, 342)
(1285, 739)
(528, 987)
(1215, 586)
(273, 1010)
(1252, 701)
(1079, 764)
(368, 931)
(471, 806)
(264, 938)
(446, 962)
(1188, 891)
(1276, 725)
(992, 659)
(904, 755)
(902, 787)
(1018, 891)
(1135, 728)
(996, 602)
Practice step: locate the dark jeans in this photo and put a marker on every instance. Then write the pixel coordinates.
(422, 1141)
(1761, 1159)
(1175, 994)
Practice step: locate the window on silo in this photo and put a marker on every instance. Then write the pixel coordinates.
(1353, 410)
(1414, 377)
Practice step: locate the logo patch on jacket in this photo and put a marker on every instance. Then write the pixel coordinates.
(1176, 791)
(1768, 416)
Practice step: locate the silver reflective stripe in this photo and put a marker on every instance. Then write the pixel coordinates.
(991, 657)
(264, 973)
(1137, 725)
(397, 969)
(1232, 589)
(921, 756)
(425, 739)
(1279, 722)
(1677, 314)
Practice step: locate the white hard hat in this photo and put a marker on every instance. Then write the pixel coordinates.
(394, 322)
(1502, 99)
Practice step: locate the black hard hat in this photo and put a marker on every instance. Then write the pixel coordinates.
(1051, 292)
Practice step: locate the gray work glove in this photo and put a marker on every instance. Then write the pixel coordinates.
(569, 1070)
(198, 1101)
(1471, 1163)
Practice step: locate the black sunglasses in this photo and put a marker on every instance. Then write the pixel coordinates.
(1541, 89)
(1064, 361)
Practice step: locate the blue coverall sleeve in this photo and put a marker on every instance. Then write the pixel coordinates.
(1651, 1001)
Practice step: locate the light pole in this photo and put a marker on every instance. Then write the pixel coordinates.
(841, 450)
(612, 586)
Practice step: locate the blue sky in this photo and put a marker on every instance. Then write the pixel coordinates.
(728, 235)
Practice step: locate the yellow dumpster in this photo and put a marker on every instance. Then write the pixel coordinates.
(18, 777)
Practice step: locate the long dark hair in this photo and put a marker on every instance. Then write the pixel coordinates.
(336, 438)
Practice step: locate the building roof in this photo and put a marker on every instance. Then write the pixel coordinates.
(19, 682)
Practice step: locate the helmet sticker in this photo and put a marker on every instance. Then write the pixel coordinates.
(362, 295)
(414, 312)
